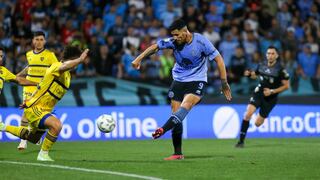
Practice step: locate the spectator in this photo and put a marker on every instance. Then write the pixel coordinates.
(125, 69)
(227, 48)
(237, 66)
(151, 68)
(313, 45)
(169, 15)
(118, 30)
(291, 65)
(298, 30)
(290, 42)
(284, 17)
(130, 39)
(210, 34)
(309, 66)
(167, 62)
(213, 17)
(250, 45)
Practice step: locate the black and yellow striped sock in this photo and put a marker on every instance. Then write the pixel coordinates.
(48, 141)
(18, 131)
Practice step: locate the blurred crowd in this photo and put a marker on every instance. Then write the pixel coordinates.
(117, 31)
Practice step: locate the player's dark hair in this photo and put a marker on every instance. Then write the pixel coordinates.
(273, 47)
(1, 48)
(38, 33)
(71, 52)
(177, 24)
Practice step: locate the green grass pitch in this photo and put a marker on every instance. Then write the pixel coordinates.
(294, 158)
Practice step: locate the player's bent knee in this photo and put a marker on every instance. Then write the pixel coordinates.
(247, 117)
(57, 127)
(258, 123)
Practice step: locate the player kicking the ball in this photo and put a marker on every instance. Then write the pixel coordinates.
(191, 51)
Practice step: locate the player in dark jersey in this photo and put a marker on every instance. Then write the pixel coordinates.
(191, 52)
(274, 79)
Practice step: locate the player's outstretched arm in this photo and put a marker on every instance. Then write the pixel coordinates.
(150, 50)
(70, 64)
(23, 73)
(225, 88)
(23, 81)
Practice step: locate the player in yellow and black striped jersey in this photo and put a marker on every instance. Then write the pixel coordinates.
(39, 60)
(6, 75)
(38, 109)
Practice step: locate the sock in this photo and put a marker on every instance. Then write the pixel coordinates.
(244, 129)
(24, 124)
(175, 118)
(48, 141)
(18, 131)
(177, 139)
(169, 124)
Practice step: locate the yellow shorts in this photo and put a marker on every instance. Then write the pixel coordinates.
(36, 116)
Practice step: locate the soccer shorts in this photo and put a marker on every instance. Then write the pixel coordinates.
(36, 116)
(266, 104)
(178, 90)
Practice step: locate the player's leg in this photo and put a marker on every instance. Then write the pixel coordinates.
(179, 114)
(18, 131)
(265, 109)
(259, 120)
(24, 121)
(54, 126)
(254, 103)
(176, 134)
(245, 124)
(24, 124)
(177, 117)
(189, 94)
(176, 94)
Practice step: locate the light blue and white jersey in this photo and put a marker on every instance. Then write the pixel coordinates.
(191, 58)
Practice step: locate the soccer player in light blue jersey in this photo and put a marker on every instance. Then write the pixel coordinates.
(191, 52)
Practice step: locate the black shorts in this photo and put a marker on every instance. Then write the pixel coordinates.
(266, 104)
(178, 90)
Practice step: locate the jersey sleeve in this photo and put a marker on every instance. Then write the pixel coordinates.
(166, 43)
(8, 76)
(284, 75)
(54, 69)
(210, 51)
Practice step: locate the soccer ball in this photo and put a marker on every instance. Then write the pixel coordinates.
(106, 123)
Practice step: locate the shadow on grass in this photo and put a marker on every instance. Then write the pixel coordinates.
(209, 157)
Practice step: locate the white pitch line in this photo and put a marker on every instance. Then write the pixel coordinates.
(81, 169)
